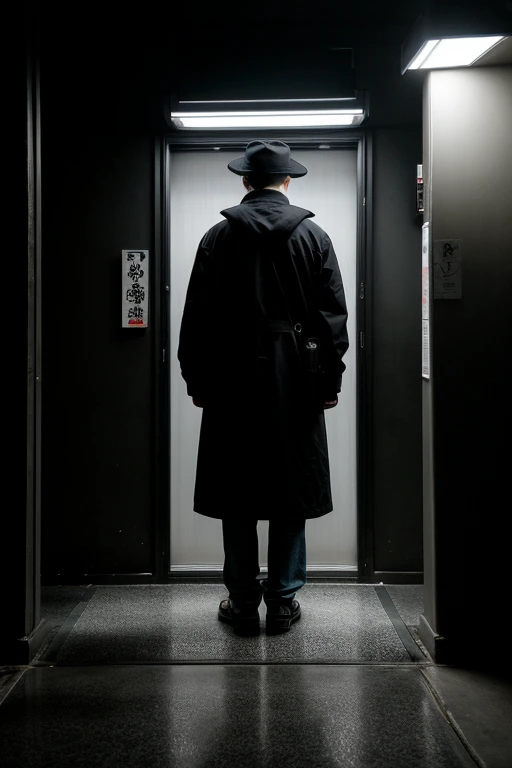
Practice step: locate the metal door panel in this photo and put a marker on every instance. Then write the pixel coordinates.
(201, 186)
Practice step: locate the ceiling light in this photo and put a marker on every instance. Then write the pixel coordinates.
(267, 119)
(423, 54)
(452, 52)
(443, 37)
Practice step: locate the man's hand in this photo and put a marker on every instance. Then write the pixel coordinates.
(198, 401)
(330, 404)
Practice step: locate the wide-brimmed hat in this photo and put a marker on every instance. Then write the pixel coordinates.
(267, 157)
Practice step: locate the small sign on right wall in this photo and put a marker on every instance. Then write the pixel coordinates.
(447, 269)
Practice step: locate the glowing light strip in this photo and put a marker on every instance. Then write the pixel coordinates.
(269, 113)
(267, 121)
(459, 52)
(422, 54)
(452, 52)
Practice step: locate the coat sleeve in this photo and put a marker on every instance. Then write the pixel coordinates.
(193, 336)
(332, 309)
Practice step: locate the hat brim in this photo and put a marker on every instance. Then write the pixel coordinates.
(295, 169)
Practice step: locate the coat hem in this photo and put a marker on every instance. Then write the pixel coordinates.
(278, 515)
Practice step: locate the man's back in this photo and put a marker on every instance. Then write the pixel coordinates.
(263, 280)
(268, 262)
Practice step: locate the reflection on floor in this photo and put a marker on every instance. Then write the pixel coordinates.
(147, 676)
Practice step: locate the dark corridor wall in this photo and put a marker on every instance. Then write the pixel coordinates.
(100, 117)
(397, 427)
(97, 431)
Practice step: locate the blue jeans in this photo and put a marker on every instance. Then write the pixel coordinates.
(286, 561)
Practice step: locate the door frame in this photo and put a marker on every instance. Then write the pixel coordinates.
(362, 141)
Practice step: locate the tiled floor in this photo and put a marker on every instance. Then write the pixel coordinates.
(147, 676)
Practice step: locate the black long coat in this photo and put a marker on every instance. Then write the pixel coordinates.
(263, 447)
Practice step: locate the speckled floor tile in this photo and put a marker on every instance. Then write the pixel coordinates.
(203, 716)
(480, 702)
(163, 623)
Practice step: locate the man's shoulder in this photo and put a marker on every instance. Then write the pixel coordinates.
(313, 230)
(216, 228)
(211, 235)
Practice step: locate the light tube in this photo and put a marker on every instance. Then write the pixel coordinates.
(298, 119)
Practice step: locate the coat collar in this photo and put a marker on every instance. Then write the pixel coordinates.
(265, 194)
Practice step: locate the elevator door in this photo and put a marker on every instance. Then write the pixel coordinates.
(201, 186)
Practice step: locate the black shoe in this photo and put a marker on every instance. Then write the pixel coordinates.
(244, 622)
(280, 616)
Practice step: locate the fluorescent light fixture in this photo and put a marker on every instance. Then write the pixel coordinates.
(452, 52)
(423, 54)
(270, 119)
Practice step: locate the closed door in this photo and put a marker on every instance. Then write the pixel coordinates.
(201, 186)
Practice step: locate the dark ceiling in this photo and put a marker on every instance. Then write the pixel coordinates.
(195, 26)
(280, 23)
(143, 47)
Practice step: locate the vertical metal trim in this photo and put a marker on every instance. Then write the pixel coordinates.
(31, 350)
(33, 320)
(161, 397)
(369, 459)
(360, 368)
(166, 365)
(154, 314)
(38, 338)
(431, 593)
(364, 361)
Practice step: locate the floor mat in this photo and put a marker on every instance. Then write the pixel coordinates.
(178, 623)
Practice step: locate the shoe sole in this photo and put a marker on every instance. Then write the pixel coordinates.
(245, 626)
(278, 624)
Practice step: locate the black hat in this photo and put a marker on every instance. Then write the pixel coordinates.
(272, 157)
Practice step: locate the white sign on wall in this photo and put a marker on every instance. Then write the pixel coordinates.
(447, 269)
(135, 287)
(425, 300)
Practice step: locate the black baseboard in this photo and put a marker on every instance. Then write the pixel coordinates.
(469, 647)
(334, 576)
(438, 648)
(23, 649)
(84, 579)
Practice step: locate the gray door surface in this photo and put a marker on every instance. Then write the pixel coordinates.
(201, 186)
